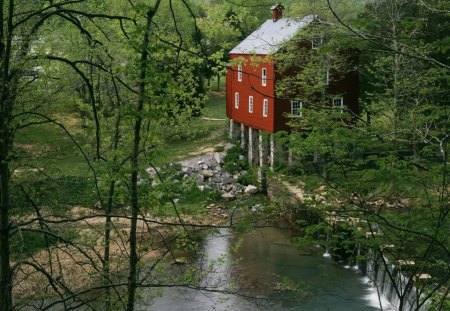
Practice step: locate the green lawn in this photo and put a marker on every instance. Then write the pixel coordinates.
(215, 106)
(48, 147)
(205, 133)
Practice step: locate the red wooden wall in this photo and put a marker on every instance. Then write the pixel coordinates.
(278, 108)
(251, 85)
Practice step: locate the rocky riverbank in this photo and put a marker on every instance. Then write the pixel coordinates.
(208, 172)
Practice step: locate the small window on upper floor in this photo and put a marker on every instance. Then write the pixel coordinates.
(316, 42)
(297, 108)
(338, 104)
(264, 77)
(250, 104)
(236, 100)
(240, 73)
(265, 107)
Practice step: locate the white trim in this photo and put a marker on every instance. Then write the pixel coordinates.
(250, 104)
(264, 77)
(265, 107)
(299, 109)
(236, 100)
(239, 71)
(335, 104)
(327, 77)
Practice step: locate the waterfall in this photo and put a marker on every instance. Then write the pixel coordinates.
(327, 251)
(378, 273)
(358, 254)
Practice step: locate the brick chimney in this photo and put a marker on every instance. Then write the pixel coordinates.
(277, 12)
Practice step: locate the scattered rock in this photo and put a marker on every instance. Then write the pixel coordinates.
(229, 188)
(201, 188)
(256, 207)
(251, 189)
(321, 189)
(241, 157)
(187, 170)
(155, 183)
(180, 261)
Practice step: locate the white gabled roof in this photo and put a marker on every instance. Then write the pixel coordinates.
(271, 35)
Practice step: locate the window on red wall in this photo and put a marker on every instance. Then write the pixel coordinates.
(239, 73)
(297, 108)
(250, 104)
(236, 100)
(265, 107)
(264, 77)
(338, 104)
(316, 42)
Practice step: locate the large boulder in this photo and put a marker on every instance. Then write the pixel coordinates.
(207, 173)
(250, 189)
(228, 180)
(228, 196)
(218, 158)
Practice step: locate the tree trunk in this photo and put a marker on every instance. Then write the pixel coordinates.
(218, 81)
(132, 278)
(6, 106)
(5, 269)
(107, 247)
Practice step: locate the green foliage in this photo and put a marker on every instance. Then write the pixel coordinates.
(235, 161)
(385, 172)
(249, 178)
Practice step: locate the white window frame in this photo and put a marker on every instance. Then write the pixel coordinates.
(239, 71)
(341, 106)
(264, 77)
(299, 109)
(316, 44)
(250, 104)
(265, 107)
(236, 100)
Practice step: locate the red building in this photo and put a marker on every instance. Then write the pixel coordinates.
(251, 85)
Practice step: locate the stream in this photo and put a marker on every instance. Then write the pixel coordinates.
(256, 268)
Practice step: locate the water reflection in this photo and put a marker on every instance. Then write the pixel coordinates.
(261, 268)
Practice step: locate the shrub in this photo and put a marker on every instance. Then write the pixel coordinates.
(248, 179)
(232, 162)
